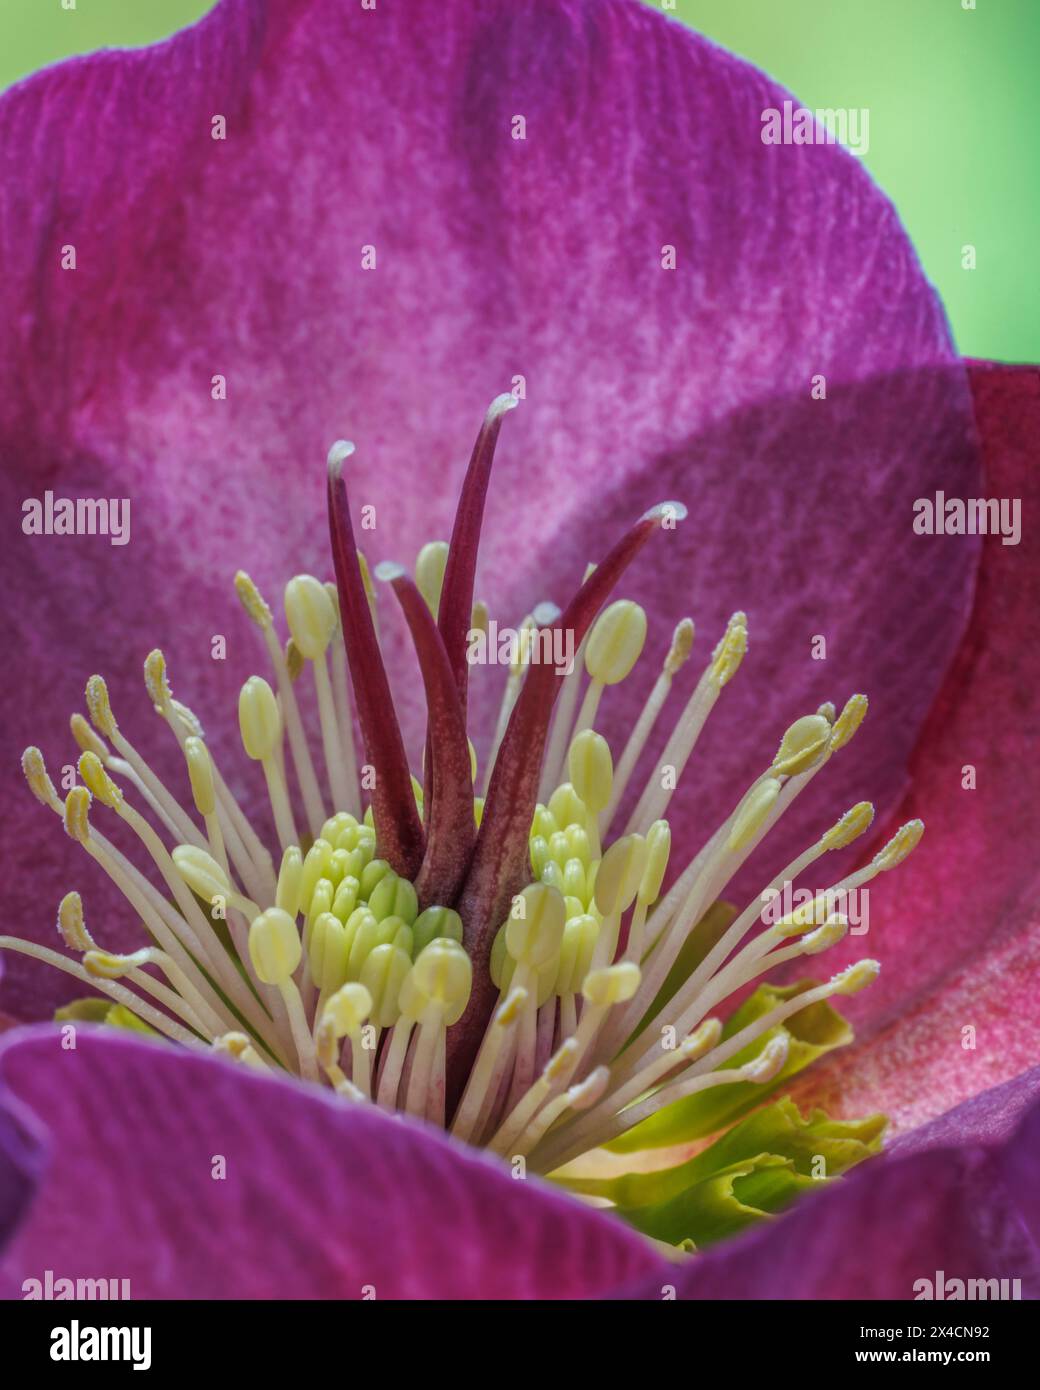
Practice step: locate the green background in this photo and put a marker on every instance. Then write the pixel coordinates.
(951, 94)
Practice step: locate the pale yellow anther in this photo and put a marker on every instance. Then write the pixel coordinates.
(394, 896)
(35, 770)
(190, 721)
(511, 1007)
(315, 867)
(682, 645)
(580, 935)
(155, 680)
(480, 617)
(702, 1040)
(259, 720)
(752, 812)
(77, 814)
(614, 984)
(731, 650)
(810, 914)
(436, 921)
(443, 976)
(328, 951)
(565, 808)
(104, 965)
(560, 1063)
(852, 824)
(901, 844)
(827, 711)
(383, 974)
(770, 1062)
(658, 848)
(87, 740)
(252, 600)
(620, 873)
(592, 769)
(201, 872)
(97, 779)
(239, 1047)
(826, 936)
(295, 660)
(309, 614)
(200, 774)
(848, 721)
(534, 928)
(290, 879)
(274, 946)
(803, 744)
(99, 708)
(429, 572)
(347, 1009)
(856, 977)
(472, 759)
(585, 1094)
(72, 925)
(615, 642)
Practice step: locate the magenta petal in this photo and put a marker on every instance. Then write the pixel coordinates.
(497, 258)
(990, 1117)
(967, 1212)
(22, 1161)
(320, 1199)
(958, 926)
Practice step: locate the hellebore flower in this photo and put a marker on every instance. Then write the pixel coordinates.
(573, 200)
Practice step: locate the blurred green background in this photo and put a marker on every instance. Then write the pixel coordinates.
(950, 90)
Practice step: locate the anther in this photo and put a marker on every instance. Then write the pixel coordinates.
(902, 843)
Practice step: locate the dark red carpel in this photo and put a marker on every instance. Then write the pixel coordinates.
(399, 832)
(450, 827)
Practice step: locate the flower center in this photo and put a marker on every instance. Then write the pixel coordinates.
(505, 964)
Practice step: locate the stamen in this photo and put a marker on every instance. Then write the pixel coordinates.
(260, 725)
(677, 656)
(275, 948)
(614, 646)
(563, 723)
(724, 664)
(253, 602)
(313, 620)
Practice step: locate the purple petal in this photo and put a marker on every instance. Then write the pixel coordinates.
(319, 1199)
(21, 1166)
(990, 1117)
(958, 925)
(497, 258)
